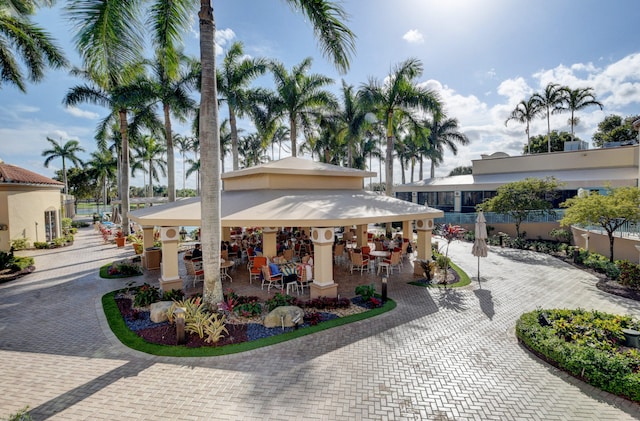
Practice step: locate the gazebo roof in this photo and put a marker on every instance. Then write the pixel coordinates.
(325, 202)
(289, 208)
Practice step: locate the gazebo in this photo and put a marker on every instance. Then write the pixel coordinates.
(291, 192)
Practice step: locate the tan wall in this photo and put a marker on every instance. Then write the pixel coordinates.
(623, 248)
(23, 207)
(534, 231)
(287, 181)
(621, 157)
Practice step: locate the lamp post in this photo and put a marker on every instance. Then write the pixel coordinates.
(179, 313)
(384, 289)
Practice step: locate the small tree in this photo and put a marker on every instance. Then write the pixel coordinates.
(609, 211)
(519, 198)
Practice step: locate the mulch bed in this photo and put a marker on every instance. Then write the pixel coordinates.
(165, 334)
(615, 288)
(7, 275)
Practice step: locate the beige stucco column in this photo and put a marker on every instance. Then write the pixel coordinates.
(407, 231)
(226, 234)
(361, 234)
(169, 277)
(323, 284)
(147, 237)
(269, 248)
(424, 228)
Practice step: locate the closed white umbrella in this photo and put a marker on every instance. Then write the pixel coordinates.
(480, 248)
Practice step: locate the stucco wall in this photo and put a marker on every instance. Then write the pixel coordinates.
(621, 157)
(534, 231)
(24, 208)
(623, 248)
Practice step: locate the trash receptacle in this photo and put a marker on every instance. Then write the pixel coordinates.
(152, 257)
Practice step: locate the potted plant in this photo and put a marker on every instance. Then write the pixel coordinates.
(120, 238)
(137, 243)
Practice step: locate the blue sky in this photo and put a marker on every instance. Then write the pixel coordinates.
(482, 57)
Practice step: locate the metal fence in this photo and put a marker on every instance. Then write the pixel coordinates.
(498, 218)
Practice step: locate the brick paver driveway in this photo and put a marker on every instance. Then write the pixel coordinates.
(441, 355)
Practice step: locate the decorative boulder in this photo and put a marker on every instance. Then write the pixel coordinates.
(286, 316)
(159, 311)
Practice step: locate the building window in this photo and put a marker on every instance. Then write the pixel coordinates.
(404, 195)
(50, 225)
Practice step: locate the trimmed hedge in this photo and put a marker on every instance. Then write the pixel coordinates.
(587, 344)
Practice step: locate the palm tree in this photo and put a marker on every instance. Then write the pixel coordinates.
(225, 141)
(149, 157)
(399, 95)
(253, 150)
(551, 100)
(184, 144)
(103, 167)
(109, 40)
(352, 118)
(444, 133)
(525, 112)
(300, 96)
(577, 99)
(233, 79)
(336, 40)
(171, 88)
(170, 20)
(21, 40)
(66, 151)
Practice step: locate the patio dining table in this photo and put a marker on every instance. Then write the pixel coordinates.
(379, 255)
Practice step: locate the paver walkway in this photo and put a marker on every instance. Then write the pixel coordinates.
(440, 355)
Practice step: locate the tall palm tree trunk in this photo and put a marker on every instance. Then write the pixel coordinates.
(234, 138)
(171, 160)
(433, 168)
(124, 175)
(64, 176)
(210, 160)
(294, 135)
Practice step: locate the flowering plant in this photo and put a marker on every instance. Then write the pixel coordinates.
(119, 234)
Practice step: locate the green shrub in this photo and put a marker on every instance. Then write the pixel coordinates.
(59, 242)
(41, 244)
(146, 295)
(21, 263)
(6, 259)
(366, 291)
(280, 300)
(562, 235)
(586, 344)
(80, 224)
(20, 243)
(629, 274)
(173, 295)
(66, 224)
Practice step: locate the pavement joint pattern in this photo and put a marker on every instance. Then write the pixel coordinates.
(440, 355)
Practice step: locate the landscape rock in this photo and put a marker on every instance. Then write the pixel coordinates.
(287, 316)
(159, 311)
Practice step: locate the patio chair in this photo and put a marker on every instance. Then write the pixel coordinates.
(255, 270)
(303, 277)
(338, 253)
(288, 254)
(365, 252)
(395, 260)
(198, 271)
(359, 261)
(270, 278)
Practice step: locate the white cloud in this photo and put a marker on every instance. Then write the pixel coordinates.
(413, 36)
(77, 112)
(223, 37)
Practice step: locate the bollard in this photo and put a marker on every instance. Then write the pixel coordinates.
(384, 289)
(179, 313)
